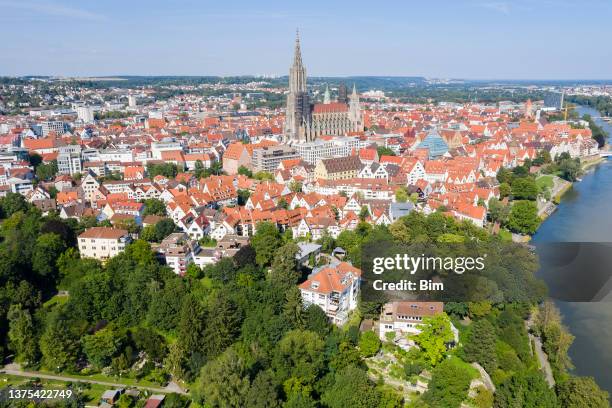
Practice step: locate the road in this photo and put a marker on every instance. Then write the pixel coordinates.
(13, 369)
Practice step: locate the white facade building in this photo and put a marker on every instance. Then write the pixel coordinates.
(334, 288)
(102, 242)
(313, 152)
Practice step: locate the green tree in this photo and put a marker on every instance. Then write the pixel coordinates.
(526, 390)
(47, 249)
(164, 228)
(369, 344)
(101, 346)
(316, 320)
(223, 324)
(435, 335)
(21, 335)
(148, 234)
(243, 196)
(299, 354)
(364, 213)
(282, 203)
(223, 382)
(401, 194)
(59, 346)
(154, 206)
(524, 188)
(504, 175)
(264, 176)
(524, 217)
(266, 242)
(295, 186)
(263, 392)
(125, 401)
(168, 170)
(384, 151)
(351, 388)
(582, 392)
(46, 171)
(12, 203)
(570, 169)
(480, 346)
(150, 342)
(293, 310)
(504, 190)
(245, 171)
(449, 384)
(498, 212)
(284, 270)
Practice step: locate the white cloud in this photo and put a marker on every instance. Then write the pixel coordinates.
(52, 9)
(499, 6)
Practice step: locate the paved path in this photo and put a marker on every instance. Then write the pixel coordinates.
(543, 359)
(12, 369)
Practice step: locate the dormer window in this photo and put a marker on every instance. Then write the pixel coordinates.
(314, 285)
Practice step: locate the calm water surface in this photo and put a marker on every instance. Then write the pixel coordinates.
(583, 215)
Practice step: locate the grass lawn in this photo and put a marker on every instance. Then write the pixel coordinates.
(505, 235)
(92, 392)
(111, 379)
(55, 300)
(544, 181)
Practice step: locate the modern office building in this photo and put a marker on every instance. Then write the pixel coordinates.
(69, 160)
(56, 126)
(554, 100)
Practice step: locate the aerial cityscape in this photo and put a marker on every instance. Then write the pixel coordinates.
(207, 240)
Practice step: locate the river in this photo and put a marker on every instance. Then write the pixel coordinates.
(583, 216)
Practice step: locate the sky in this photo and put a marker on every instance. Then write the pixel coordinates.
(479, 39)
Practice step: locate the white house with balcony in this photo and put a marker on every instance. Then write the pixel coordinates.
(334, 288)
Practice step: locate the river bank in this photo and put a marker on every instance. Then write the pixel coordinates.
(582, 216)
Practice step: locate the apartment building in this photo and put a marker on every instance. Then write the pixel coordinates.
(102, 242)
(313, 152)
(69, 160)
(334, 288)
(268, 158)
(338, 168)
(85, 114)
(178, 250)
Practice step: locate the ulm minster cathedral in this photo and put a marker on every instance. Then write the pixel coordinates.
(305, 121)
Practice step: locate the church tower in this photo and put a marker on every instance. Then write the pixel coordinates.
(355, 116)
(297, 99)
(327, 96)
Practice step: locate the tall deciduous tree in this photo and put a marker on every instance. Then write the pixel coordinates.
(59, 346)
(266, 241)
(449, 385)
(524, 217)
(435, 335)
(582, 392)
(223, 382)
(47, 249)
(101, 346)
(21, 335)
